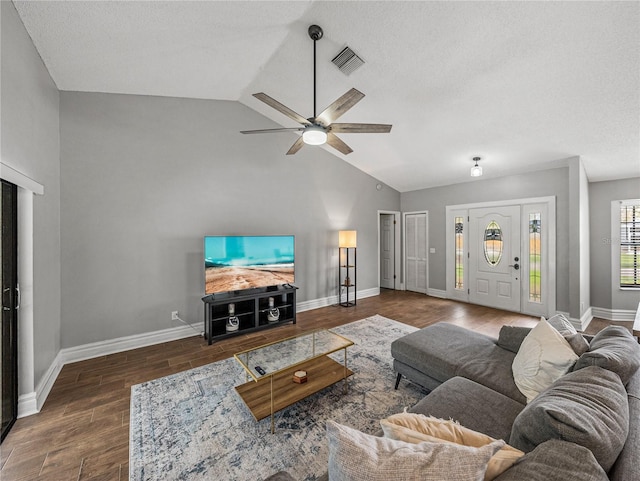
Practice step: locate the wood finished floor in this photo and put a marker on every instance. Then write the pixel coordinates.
(82, 431)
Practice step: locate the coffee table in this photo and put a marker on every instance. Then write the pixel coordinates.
(269, 392)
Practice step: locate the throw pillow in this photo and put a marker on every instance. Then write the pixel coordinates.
(555, 459)
(615, 349)
(511, 337)
(543, 357)
(561, 324)
(588, 407)
(417, 428)
(357, 456)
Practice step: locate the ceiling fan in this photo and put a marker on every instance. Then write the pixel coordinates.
(321, 129)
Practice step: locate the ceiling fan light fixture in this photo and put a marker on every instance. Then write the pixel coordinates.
(476, 170)
(314, 135)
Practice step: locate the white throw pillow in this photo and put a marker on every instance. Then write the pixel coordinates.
(544, 356)
(355, 456)
(416, 428)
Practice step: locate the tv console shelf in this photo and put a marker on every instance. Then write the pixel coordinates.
(251, 310)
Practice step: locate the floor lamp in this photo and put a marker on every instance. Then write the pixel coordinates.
(347, 273)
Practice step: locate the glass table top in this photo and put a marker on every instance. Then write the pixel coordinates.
(284, 354)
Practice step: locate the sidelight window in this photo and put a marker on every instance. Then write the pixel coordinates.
(535, 257)
(459, 239)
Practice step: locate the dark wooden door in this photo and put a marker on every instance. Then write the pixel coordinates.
(10, 299)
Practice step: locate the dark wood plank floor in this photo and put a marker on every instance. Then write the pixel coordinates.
(82, 431)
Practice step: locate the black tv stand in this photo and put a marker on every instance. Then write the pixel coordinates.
(251, 309)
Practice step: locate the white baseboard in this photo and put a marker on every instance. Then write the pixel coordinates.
(104, 348)
(580, 324)
(586, 318)
(31, 403)
(601, 313)
(27, 404)
(614, 314)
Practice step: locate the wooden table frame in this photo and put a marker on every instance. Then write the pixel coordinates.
(275, 391)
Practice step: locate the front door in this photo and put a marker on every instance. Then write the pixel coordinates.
(387, 251)
(494, 257)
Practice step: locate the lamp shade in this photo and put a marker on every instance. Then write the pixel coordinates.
(347, 238)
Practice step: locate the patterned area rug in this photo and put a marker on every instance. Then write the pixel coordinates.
(194, 426)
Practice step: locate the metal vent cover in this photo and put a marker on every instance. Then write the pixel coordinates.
(347, 61)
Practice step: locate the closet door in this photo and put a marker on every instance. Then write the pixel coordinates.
(416, 251)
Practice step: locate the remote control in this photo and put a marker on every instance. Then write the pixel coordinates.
(261, 371)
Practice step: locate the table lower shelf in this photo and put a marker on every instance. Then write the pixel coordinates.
(321, 372)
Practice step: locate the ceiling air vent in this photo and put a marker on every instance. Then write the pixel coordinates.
(347, 61)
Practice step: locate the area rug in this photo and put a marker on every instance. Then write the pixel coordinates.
(194, 426)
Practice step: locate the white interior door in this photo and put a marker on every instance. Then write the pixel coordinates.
(416, 251)
(387, 251)
(494, 257)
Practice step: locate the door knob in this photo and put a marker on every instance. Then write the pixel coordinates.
(515, 266)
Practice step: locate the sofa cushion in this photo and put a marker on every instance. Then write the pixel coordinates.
(357, 456)
(473, 405)
(588, 407)
(627, 466)
(510, 337)
(556, 460)
(493, 370)
(417, 428)
(615, 349)
(544, 356)
(440, 349)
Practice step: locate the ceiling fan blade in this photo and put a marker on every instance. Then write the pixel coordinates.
(297, 145)
(338, 144)
(340, 106)
(361, 128)
(268, 131)
(271, 102)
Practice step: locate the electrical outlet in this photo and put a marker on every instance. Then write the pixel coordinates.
(174, 315)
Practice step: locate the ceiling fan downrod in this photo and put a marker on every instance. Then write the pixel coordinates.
(315, 32)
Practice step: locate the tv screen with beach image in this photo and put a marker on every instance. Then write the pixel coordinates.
(233, 263)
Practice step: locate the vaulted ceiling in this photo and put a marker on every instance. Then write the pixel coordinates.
(524, 85)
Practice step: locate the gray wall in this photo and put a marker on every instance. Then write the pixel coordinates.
(145, 178)
(605, 292)
(553, 182)
(31, 145)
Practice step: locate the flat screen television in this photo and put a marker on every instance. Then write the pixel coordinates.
(234, 263)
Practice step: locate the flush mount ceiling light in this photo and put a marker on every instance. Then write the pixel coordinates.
(476, 170)
(314, 135)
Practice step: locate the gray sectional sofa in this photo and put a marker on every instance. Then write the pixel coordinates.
(584, 427)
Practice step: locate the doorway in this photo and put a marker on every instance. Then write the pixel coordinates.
(416, 248)
(494, 248)
(503, 254)
(10, 305)
(389, 249)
